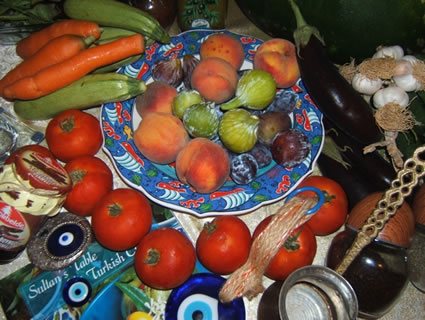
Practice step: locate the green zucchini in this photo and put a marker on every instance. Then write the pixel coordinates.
(119, 64)
(111, 13)
(91, 90)
(110, 34)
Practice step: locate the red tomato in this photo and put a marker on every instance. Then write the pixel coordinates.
(72, 134)
(333, 213)
(121, 219)
(223, 244)
(37, 165)
(165, 258)
(298, 251)
(91, 180)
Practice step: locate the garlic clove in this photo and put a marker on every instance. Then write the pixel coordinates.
(403, 74)
(395, 52)
(408, 83)
(392, 94)
(402, 68)
(365, 85)
(411, 59)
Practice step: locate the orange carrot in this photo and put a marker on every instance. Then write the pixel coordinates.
(31, 44)
(64, 73)
(56, 50)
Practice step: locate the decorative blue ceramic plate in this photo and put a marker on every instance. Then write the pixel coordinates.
(197, 298)
(160, 183)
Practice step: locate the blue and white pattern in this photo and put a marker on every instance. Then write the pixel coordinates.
(160, 183)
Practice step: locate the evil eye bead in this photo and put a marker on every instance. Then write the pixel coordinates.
(198, 306)
(197, 299)
(60, 241)
(65, 240)
(77, 292)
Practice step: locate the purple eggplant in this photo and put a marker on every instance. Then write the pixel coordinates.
(372, 165)
(332, 94)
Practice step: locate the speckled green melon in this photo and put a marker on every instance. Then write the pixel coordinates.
(351, 28)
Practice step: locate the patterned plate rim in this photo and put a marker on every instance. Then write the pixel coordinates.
(194, 205)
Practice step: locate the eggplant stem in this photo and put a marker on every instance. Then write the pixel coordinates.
(304, 31)
(298, 16)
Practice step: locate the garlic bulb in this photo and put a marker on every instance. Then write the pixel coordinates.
(392, 94)
(403, 77)
(395, 52)
(408, 83)
(411, 59)
(365, 85)
(402, 68)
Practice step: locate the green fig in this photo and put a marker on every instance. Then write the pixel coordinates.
(255, 90)
(201, 120)
(238, 130)
(183, 100)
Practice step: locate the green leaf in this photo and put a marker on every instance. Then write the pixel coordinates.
(28, 12)
(136, 179)
(160, 213)
(152, 173)
(205, 207)
(9, 286)
(255, 185)
(42, 13)
(109, 142)
(409, 141)
(21, 4)
(260, 198)
(316, 139)
(128, 276)
(139, 298)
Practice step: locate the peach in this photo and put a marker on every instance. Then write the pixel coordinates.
(224, 46)
(158, 97)
(160, 137)
(203, 164)
(279, 58)
(214, 79)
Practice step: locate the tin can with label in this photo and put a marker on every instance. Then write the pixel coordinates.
(192, 14)
(317, 292)
(33, 186)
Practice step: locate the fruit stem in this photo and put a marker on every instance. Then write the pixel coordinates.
(152, 258)
(291, 243)
(328, 197)
(298, 16)
(67, 124)
(210, 227)
(114, 210)
(304, 31)
(232, 104)
(77, 175)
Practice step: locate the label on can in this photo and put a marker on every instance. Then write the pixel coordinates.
(33, 186)
(14, 230)
(201, 14)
